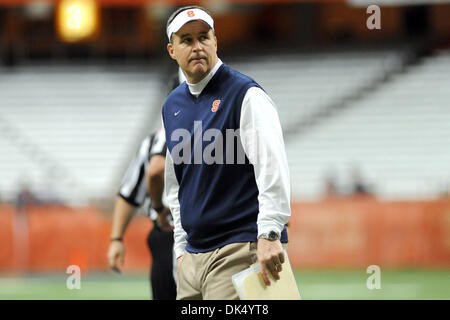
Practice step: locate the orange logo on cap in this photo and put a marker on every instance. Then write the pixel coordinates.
(215, 105)
(190, 13)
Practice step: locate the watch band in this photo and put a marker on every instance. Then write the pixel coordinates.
(159, 209)
(272, 236)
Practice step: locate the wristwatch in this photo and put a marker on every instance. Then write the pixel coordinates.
(159, 209)
(272, 236)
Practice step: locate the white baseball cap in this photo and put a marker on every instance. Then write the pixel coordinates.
(189, 15)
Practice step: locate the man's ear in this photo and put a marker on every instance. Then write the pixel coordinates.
(171, 51)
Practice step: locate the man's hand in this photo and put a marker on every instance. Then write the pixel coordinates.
(163, 220)
(116, 251)
(270, 255)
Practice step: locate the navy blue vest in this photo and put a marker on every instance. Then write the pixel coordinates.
(218, 194)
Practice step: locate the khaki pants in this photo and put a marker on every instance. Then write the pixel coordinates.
(208, 275)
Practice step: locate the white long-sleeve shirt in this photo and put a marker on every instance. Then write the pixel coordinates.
(262, 141)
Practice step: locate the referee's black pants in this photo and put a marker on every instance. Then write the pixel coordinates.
(163, 284)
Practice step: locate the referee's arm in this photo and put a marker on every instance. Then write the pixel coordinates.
(131, 195)
(123, 212)
(155, 180)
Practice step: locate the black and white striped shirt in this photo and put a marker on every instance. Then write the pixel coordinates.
(133, 188)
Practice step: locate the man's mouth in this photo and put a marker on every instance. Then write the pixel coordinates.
(197, 59)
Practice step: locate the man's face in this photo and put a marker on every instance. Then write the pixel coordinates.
(194, 47)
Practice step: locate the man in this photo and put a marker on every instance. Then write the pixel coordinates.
(142, 184)
(228, 213)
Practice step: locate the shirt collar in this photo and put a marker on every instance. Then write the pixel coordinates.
(198, 87)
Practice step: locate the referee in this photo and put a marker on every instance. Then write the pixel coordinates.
(143, 185)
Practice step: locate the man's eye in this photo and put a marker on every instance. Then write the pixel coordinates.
(187, 40)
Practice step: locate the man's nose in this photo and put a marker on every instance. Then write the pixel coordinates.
(197, 45)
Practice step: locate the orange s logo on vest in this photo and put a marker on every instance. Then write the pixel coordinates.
(190, 13)
(215, 105)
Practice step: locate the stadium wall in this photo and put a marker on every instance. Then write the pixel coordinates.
(350, 232)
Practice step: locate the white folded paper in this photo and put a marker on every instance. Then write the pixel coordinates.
(250, 285)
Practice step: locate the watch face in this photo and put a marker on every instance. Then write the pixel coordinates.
(273, 235)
